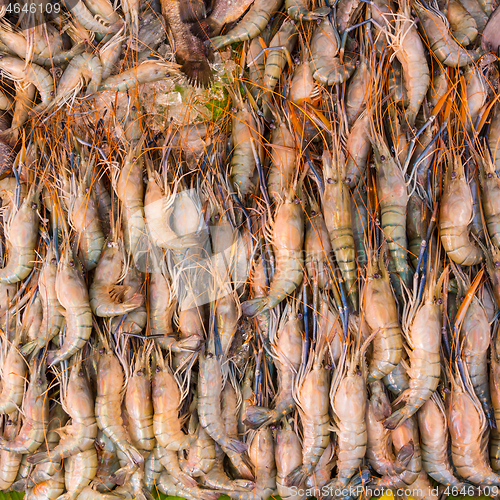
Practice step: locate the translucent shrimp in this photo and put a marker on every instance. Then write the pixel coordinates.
(436, 29)
(167, 399)
(289, 356)
(252, 24)
(72, 294)
(381, 316)
(313, 403)
(288, 456)
(106, 295)
(288, 239)
(201, 455)
(170, 460)
(79, 404)
(454, 216)
(357, 91)
(10, 461)
(209, 400)
(468, 430)
(36, 415)
(14, 371)
(261, 454)
(338, 220)
(51, 489)
(434, 441)
(110, 381)
(107, 463)
(22, 236)
(79, 470)
(393, 196)
(423, 332)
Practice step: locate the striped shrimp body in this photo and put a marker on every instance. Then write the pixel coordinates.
(469, 436)
(289, 355)
(424, 339)
(338, 220)
(298, 10)
(393, 195)
(106, 295)
(252, 24)
(72, 294)
(288, 240)
(288, 456)
(36, 415)
(382, 317)
(14, 371)
(22, 236)
(358, 148)
(454, 216)
(201, 455)
(490, 189)
(434, 442)
(79, 471)
(313, 402)
(80, 405)
(10, 461)
(167, 399)
(261, 452)
(110, 381)
(51, 489)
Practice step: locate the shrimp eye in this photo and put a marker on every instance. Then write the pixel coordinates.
(382, 158)
(134, 109)
(490, 175)
(296, 201)
(376, 276)
(158, 368)
(358, 373)
(453, 175)
(300, 315)
(34, 206)
(52, 93)
(53, 260)
(39, 381)
(328, 367)
(440, 301)
(9, 422)
(210, 355)
(313, 212)
(372, 165)
(139, 373)
(134, 159)
(217, 217)
(71, 263)
(80, 373)
(348, 179)
(497, 264)
(101, 351)
(329, 180)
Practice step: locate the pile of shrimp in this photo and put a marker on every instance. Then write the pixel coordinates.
(306, 292)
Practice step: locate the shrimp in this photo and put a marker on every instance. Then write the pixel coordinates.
(152, 470)
(288, 456)
(52, 319)
(22, 236)
(170, 460)
(85, 220)
(313, 402)
(51, 489)
(106, 295)
(440, 40)
(490, 189)
(36, 415)
(317, 246)
(110, 381)
(79, 403)
(288, 358)
(479, 14)
(405, 435)
(72, 294)
(423, 330)
(393, 196)
(359, 213)
(338, 220)
(327, 68)
(474, 338)
(201, 454)
(252, 24)
(349, 407)
(90, 22)
(283, 157)
(468, 430)
(167, 399)
(107, 463)
(130, 192)
(168, 486)
(462, 24)
(245, 131)
(139, 405)
(433, 426)
(476, 95)
(379, 444)
(145, 72)
(14, 371)
(261, 454)
(10, 461)
(79, 470)
(17, 70)
(209, 400)
(454, 216)
(381, 316)
(288, 240)
(358, 148)
(357, 91)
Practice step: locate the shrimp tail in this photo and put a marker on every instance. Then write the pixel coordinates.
(252, 307)
(198, 72)
(396, 419)
(38, 458)
(257, 416)
(403, 457)
(297, 476)
(30, 349)
(236, 445)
